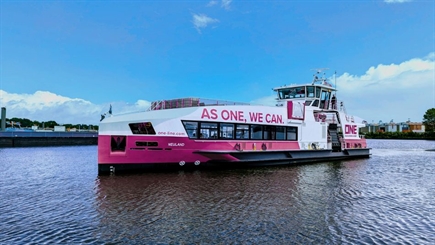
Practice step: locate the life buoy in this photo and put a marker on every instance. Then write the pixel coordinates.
(263, 147)
(313, 146)
(237, 147)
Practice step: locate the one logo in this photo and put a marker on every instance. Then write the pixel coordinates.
(350, 129)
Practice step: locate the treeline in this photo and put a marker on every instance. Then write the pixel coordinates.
(400, 135)
(27, 123)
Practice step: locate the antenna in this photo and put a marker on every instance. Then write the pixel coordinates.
(316, 77)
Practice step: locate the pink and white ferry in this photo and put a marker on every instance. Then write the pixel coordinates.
(307, 124)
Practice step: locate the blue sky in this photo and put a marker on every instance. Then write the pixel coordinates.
(68, 60)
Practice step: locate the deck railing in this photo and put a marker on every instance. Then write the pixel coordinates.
(189, 102)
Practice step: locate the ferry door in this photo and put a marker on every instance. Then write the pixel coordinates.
(324, 99)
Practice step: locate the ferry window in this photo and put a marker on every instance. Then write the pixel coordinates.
(142, 128)
(317, 92)
(284, 93)
(315, 103)
(292, 133)
(280, 133)
(242, 131)
(208, 131)
(310, 91)
(269, 132)
(299, 92)
(191, 129)
(118, 143)
(226, 131)
(256, 132)
(141, 143)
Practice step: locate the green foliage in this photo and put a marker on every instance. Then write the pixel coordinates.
(26, 123)
(50, 124)
(429, 119)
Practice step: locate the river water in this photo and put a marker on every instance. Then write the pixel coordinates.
(53, 195)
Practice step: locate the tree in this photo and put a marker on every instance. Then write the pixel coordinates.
(49, 124)
(429, 119)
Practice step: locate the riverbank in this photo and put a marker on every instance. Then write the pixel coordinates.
(32, 139)
(401, 135)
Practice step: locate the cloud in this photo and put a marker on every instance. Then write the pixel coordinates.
(212, 3)
(383, 92)
(226, 4)
(397, 1)
(201, 21)
(395, 91)
(47, 106)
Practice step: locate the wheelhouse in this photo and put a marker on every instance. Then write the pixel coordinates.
(322, 95)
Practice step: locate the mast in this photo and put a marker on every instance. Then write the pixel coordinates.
(335, 83)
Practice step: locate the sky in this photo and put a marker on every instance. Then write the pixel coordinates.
(68, 61)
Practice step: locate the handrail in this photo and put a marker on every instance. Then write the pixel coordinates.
(189, 102)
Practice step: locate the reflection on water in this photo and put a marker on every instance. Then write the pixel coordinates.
(54, 195)
(209, 207)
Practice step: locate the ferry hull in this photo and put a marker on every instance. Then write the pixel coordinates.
(105, 169)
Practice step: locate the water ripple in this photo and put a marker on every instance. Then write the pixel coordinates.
(54, 196)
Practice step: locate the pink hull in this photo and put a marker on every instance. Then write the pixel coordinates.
(177, 149)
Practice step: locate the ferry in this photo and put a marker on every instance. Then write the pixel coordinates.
(307, 124)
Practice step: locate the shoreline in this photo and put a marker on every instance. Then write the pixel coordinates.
(37, 139)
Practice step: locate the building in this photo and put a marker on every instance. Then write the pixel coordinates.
(407, 126)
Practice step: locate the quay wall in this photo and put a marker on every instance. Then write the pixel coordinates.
(32, 139)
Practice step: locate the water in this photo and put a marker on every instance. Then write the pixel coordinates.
(53, 195)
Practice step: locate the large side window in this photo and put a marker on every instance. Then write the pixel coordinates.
(292, 133)
(269, 132)
(142, 128)
(280, 133)
(226, 131)
(242, 131)
(191, 129)
(256, 132)
(208, 130)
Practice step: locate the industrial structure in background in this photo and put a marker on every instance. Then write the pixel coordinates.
(15, 136)
(3, 119)
(408, 126)
(11, 126)
(61, 132)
